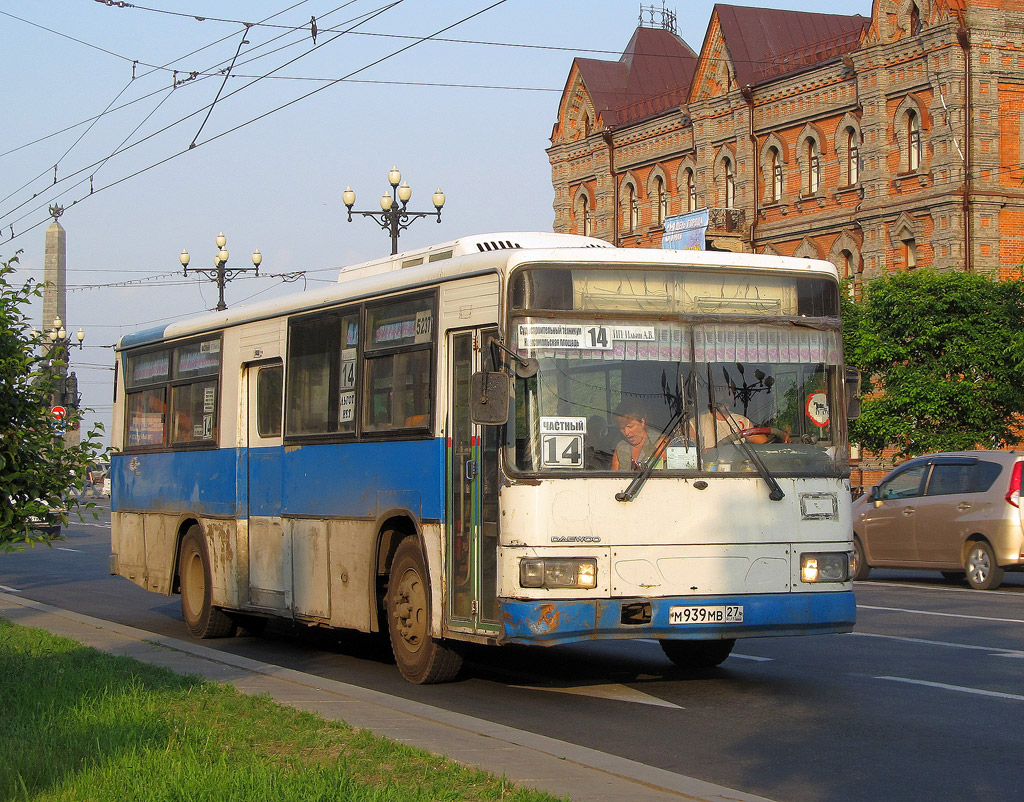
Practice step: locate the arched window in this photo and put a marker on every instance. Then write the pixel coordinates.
(913, 141)
(728, 183)
(660, 201)
(852, 156)
(775, 163)
(584, 219)
(691, 191)
(632, 210)
(847, 272)
(812, 167)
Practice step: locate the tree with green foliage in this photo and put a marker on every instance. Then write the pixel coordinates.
(39, 474)
(942, 356)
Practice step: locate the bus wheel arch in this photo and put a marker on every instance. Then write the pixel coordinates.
(195, 581)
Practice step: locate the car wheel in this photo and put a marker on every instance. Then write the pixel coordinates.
(862, 570)
(982, 571)
(421, 658)
(201, 617)
(698, 653)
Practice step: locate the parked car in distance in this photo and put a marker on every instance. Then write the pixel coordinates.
(957, 513)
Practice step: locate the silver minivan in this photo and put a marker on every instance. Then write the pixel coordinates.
(957, 512)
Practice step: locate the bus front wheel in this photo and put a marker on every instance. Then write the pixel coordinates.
(201, 617)
(421, 658)
(698, 653)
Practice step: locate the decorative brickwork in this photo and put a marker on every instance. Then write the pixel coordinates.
(880, 144)
(883, 143)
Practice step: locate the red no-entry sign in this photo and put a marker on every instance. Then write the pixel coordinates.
(59, 413)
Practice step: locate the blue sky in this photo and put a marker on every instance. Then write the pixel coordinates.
(471, 116)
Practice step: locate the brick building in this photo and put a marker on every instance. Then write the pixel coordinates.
(879, 143)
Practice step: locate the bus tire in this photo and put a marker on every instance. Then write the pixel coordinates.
(863, 570)
(201, 617)
(421, 659)
(698, 653)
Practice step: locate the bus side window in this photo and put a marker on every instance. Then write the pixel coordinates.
(146, 412)
(398, 365)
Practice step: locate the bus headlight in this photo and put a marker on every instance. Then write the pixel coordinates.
(827, 566)
(558, 573)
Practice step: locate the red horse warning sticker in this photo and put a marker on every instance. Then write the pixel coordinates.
(817, 409)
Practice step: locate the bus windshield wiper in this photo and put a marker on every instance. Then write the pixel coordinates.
(775, 493)
(633, 490)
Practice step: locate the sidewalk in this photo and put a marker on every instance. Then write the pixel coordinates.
(560, 768)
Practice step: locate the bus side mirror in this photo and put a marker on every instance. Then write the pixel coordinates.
(852, 393)
(490, 393)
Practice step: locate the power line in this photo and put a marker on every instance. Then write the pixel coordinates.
(362, 18)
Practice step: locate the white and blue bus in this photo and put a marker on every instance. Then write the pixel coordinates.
(510, 438)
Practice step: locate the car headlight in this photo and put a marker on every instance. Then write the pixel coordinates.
(827, 566)
(558, 573)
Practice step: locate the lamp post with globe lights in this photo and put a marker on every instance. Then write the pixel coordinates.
(394, 215)
(220, 273)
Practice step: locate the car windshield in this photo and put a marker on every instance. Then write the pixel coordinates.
(609, 384)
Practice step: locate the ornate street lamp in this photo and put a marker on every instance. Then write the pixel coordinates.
(59, 356)
(220, 272)
(394, 216)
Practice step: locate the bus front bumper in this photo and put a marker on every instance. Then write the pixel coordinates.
(763, 615)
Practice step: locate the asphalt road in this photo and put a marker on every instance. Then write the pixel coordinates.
(923, 702)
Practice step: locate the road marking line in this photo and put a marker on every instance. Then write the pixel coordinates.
(613, 692)
(752, 657)
(895, 584)
(9, 590)
(995, 651)
(942, 615)
(960, 688)
(76, 551)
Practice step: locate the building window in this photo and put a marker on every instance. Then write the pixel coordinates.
(852, 157)
(691, 192)
(729, 183)
(847, 272)
(913, 141)
(631, 212)
(584, 223)
(910, 252)
(775, 161)
(813, 168)
(915, 19)
(660, 201)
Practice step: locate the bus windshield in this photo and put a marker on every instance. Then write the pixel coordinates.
(690, 392)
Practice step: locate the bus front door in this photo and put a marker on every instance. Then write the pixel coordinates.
(472, 497)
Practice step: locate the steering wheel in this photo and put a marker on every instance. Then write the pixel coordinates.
(756, 434)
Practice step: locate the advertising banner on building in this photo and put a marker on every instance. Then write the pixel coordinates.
(685, 232)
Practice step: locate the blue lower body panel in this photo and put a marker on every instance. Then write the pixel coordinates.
(552, 622)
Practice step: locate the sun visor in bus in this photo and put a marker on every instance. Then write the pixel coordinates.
(490, 394)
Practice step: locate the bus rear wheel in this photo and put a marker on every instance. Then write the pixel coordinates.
(421, 658)
(698, 653)
(201, 617)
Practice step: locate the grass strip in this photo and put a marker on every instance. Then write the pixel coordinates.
(78, 724)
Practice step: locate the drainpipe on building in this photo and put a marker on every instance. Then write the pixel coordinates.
(607, 134)
(748, 95)
(963, 37)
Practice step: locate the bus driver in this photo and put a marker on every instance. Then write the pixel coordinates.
(639, 442)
